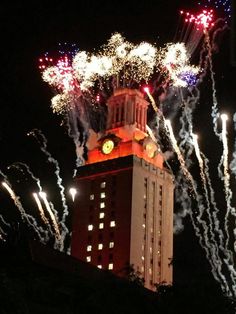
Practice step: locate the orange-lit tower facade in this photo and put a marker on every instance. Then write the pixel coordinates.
(124, 210)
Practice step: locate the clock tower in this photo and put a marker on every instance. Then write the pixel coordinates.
(124, 210)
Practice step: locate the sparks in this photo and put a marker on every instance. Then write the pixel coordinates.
(204, 19)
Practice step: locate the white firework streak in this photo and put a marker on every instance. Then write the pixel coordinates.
(2, 232)
(54, 222)
(233, 162)
(210, 251)
(41, 211)
(216, 260)
(29, 219)
(228, 260)
(52, 160)
(226, 175)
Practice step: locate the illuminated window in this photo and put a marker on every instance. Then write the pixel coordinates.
(103, 195)
(103, 184)
(143, 225)
(102, 205)
(143, 258)
(89, 248)
(112, 223)
(91, 197)
(90, 227)
(100, 266)
(88, 259)
(101, 225)
(150, 271)
(100, 246)
(110, 266)
(101, 215)
(111, 245)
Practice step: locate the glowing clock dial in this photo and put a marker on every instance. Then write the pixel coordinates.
(107, 146)
(151, 149)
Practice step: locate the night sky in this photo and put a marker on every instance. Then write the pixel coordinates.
(28, 31)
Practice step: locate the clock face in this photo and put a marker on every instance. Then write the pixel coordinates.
(151, 149)
(107, 146)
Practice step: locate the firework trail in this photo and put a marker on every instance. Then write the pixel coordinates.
(54, 222)
(43, 146)
(178, 152)
(228, 256)
(74, 131)
(4, 221)
(19, 165)
(213, 220)
(147, 91)
(214, 113)
(210, 245)
(208, 61)
(41, 211)
(202, 24)
(233, 162)
(225, 176)
(3, 234)
(211, 249)
(29, 219)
